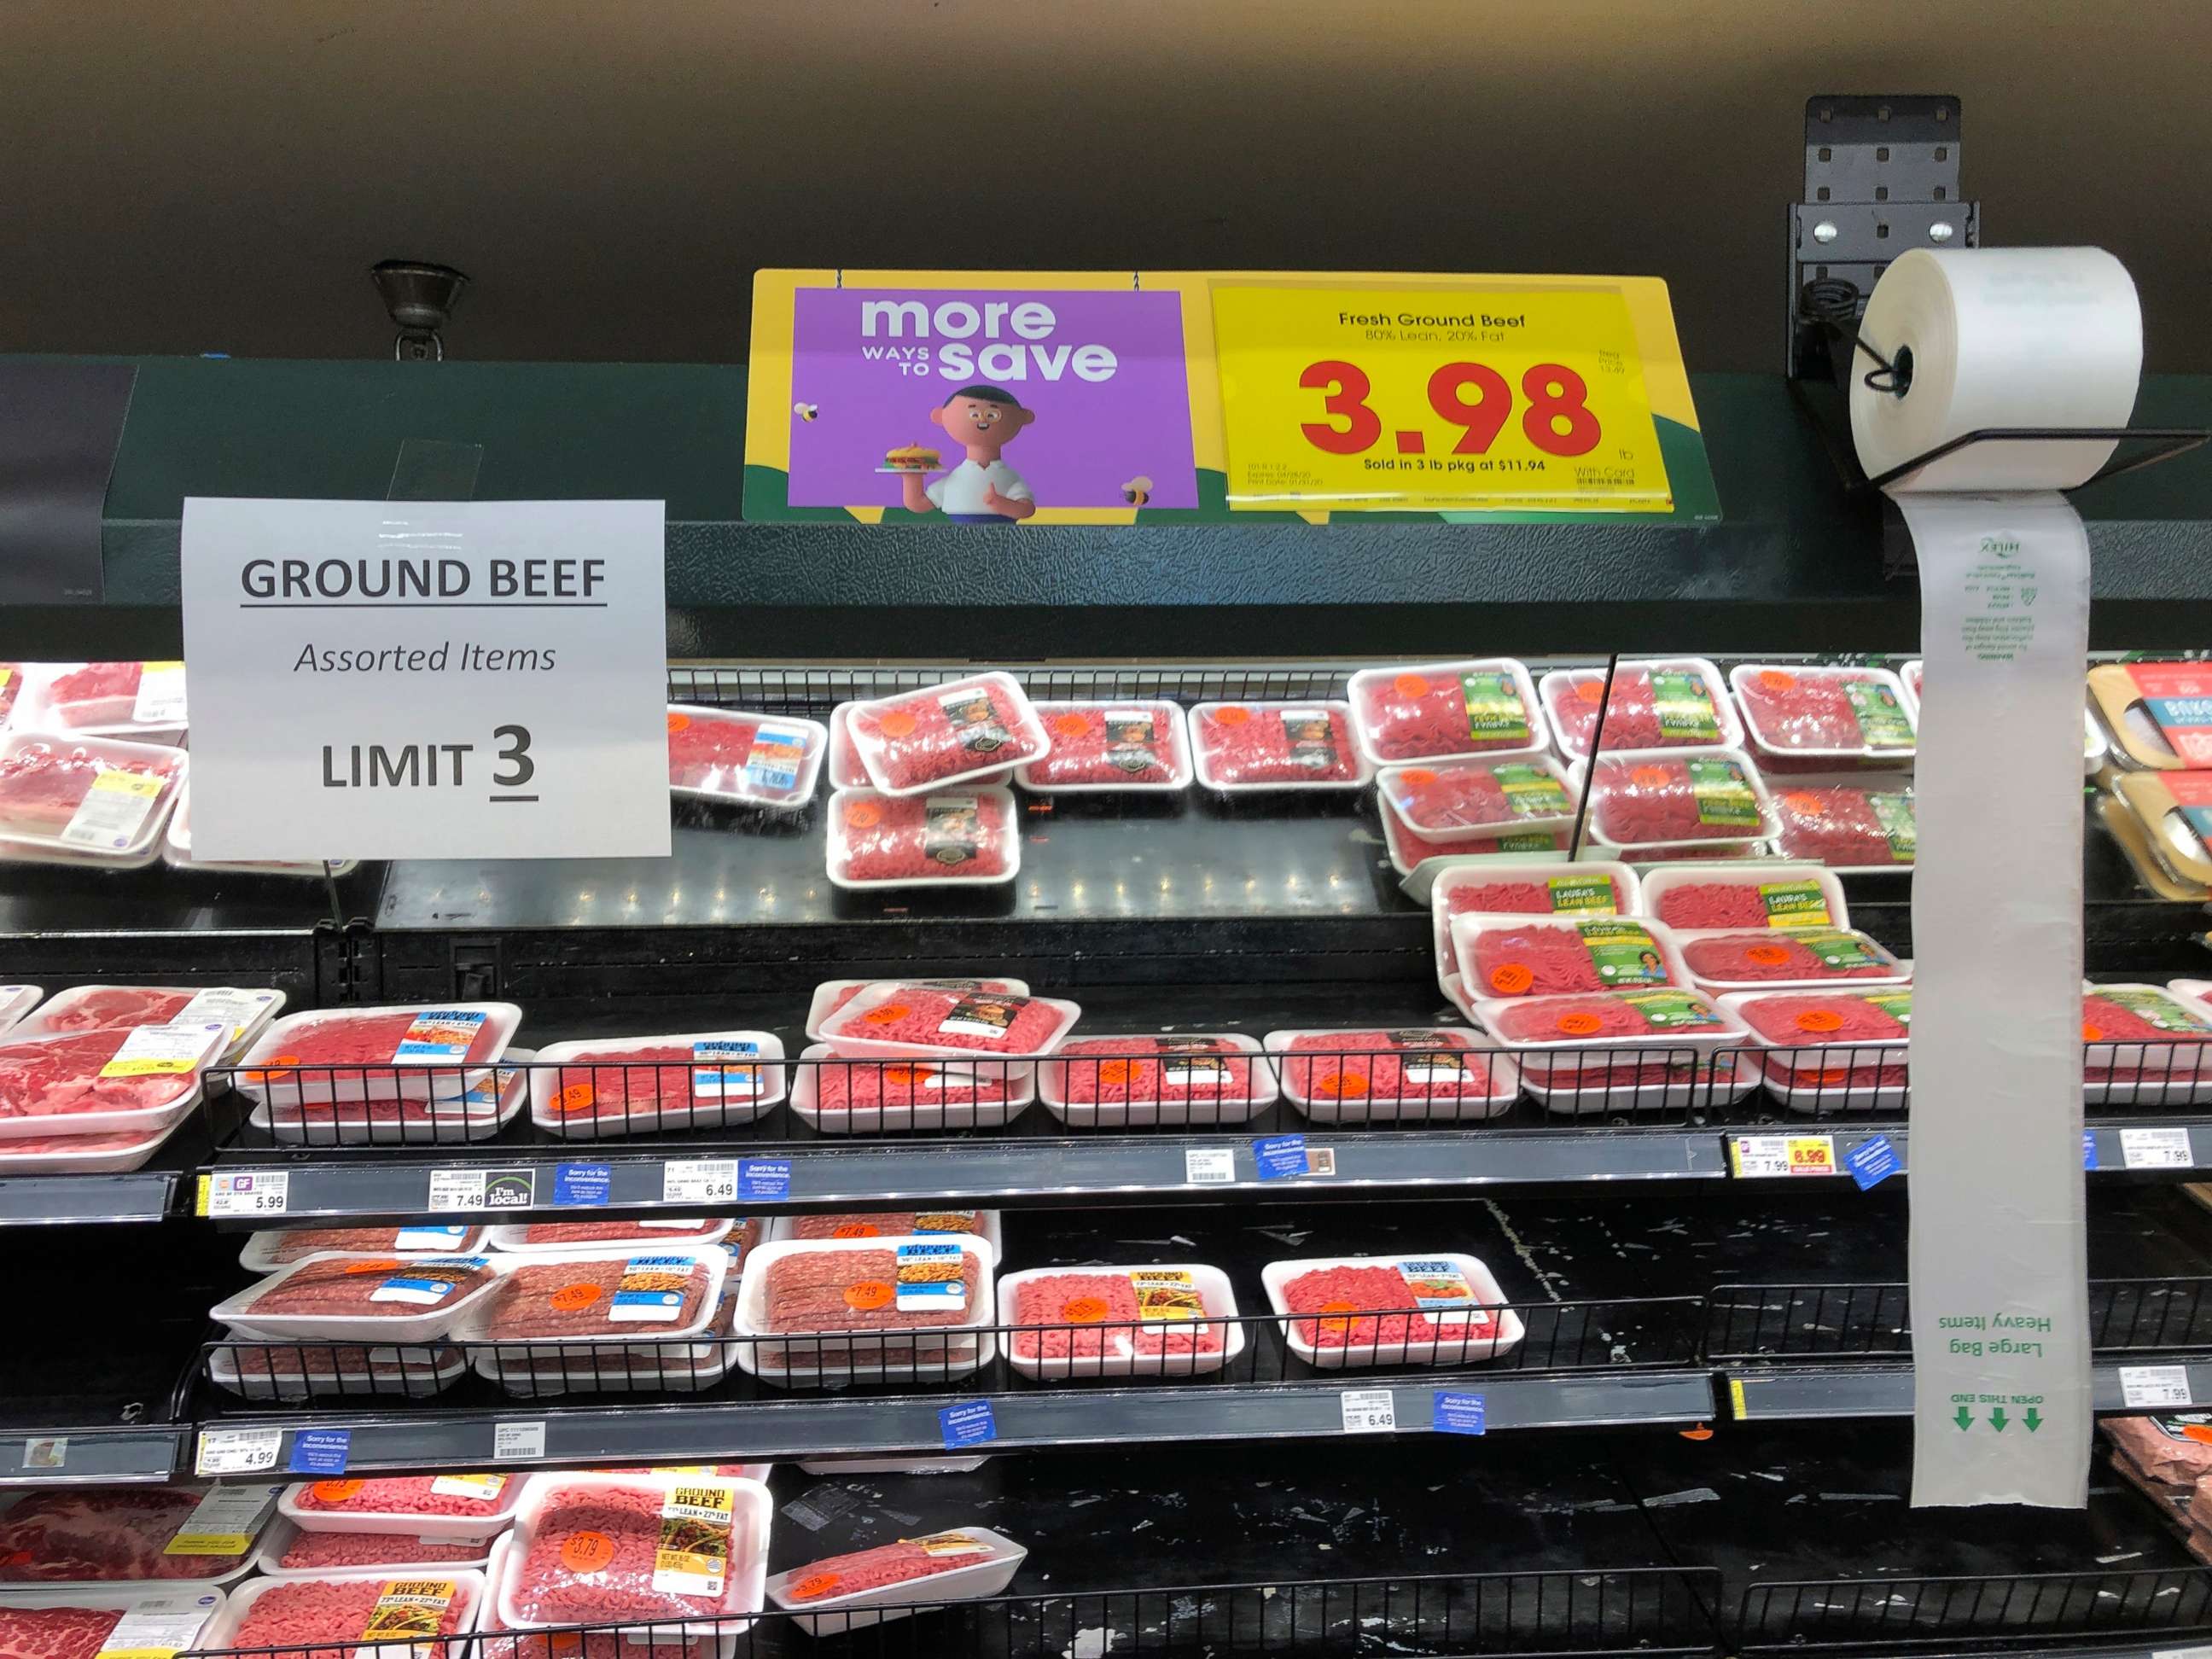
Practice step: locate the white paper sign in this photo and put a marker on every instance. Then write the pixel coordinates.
(426, 679)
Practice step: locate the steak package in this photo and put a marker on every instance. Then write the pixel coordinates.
(121, 1534)
(105, 1082)
(100, 797)
(119, 1008)
(83, 1624)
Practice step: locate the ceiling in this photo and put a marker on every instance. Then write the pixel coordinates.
(217, 177)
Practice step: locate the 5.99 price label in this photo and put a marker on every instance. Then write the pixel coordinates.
(1443, 399)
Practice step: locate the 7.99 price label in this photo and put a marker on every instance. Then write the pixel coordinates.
(1441, 399)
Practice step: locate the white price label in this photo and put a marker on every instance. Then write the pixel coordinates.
(700, 1181)
(1761, 1158)
(236, 1451)
(2155, 1386)
(248, 1193)
(455, 1189)
(160, 699)
(2156, 1149)
(510, 1442)
(1369, 1411)
(1209, 1166)
(114, 807)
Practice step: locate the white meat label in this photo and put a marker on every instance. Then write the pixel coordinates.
(114, 811)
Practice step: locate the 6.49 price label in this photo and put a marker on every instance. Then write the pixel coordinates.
(1444, 398)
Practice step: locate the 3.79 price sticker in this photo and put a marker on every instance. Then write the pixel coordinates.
(1447, 399)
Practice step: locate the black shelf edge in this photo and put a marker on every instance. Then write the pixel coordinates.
(65, 1456)
(1808, 1390)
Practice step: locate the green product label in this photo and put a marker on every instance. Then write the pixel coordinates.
(1842, 953)
(1796, 904)
(1675, 1009)
(2153, 1008)
(1897, 1004)
(1494, 713)
(1723, 794)
(1581, 893)
(1622, 953)
(1528, 841)
(1881, 716)
(1895, 814)
(1684, 707)
(1532, 793)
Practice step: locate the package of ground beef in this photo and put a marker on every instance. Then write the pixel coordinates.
(289, 1552)
(603, 1548)
(982, 1225)
(110, 1082)
(1787, 897)
(1174, 1078)
(100, 797)
(1537, 889)
(1622, 1051)
(846, 771)
(1094, 1322)
(945, 734)
(119, 1534)
(1486, 705)
(831, 994)
(1409, 850)
(1657, 702)
(965, 835)
(1844, 713)
(1439, 1073)
(650, 1296)
(850, 1592)
(1657, 1016)
(648, 1085)
(755, 760)
(453, 1506)
(332, 1617)
(1830, 1050)
(1848, 824)
(1669, 798)
(1455, 800)
(1110, 747)
(1443, 1309)
(1276, 745)
(2174, 1448)
(266, 1251)
(413, 1299)
(838, 1094)
(688, 1231)
(855, 1307)
(1781, 957)
(292, 1369)
(893, 1018)
(1545, 957)
(2145, 1043)
(405, 1051)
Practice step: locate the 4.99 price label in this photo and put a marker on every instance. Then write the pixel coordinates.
(1443, 399)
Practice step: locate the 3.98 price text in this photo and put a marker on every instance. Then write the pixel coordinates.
(1555, 413)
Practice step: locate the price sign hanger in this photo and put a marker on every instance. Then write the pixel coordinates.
(1506, 394)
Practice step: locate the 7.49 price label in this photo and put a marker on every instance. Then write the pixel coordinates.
(1527, 399)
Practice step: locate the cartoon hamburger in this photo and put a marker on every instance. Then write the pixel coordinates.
(912, 458)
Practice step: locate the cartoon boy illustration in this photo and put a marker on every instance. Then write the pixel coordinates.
(982, 489)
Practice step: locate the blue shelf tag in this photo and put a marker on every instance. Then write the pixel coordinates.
(581, 1183)
(321, 1451)
(1278, 1156)
(1457, 1414)
(1873, 1162)
(2088, 1149)
(764, 1177)
(970, 1425)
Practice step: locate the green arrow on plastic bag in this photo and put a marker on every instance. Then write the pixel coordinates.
(1997, 1418)
(1965, 1419)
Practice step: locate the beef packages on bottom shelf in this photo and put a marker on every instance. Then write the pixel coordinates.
(595, 1548)
(861, 1588)
(128, 1535)
(85, 1624)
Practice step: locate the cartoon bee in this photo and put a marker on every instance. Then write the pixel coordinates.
(806, 411)
(1138, 490)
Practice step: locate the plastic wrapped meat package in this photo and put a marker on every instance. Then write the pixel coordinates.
(961, 836)
(1801, 712)
(537, 1237)
(1484, 706)
(956, 733)
(114, 699)
(294, 1368)
(1602, 1052)
(1656, 799)
(1175, 1078)
(1453, 801)
(637, 1548)
(606, 1319)
(85, 801)
(846, 771)
(1548, 887)
(852, 1591)
(138, 1080)
(1441, 1309)
(1110, 747)
(494, 1098)
(114, 1007)
(1864, 823)
(1165, 1320)
(1746, 896)
(83, 1624)
(620, 1087)
(893, 1019)
(1779, 958)
(2145, 1044)
(460, 1505)
(835, 1094)
(1830, 1051)
(984, 1226)
(1241, 747)
(831, 994)
(1432, 1074)
(1657, 702)
(331, 1615)
(348, 1071)
(1554, 956)
(360, 1298)
(1409, 850)
(123, 1535)
(274, 1247)
(289, 1552)
(905, 1309)
(722, 755)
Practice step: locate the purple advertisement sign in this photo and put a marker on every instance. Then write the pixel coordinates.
(987, 406)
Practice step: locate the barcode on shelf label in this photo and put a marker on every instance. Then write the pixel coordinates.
(1759, 1157)
(510, 1442)
(2154, 1385)
(700, 1181)
(1369, 1411)
(2156, 1149)
(1209, 1166)
(455, 1189)
(248, 1193)
(236, 1451)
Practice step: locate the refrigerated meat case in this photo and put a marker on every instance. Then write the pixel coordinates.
(1697, 1440)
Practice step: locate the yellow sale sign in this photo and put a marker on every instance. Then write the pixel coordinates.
(1423, 398)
